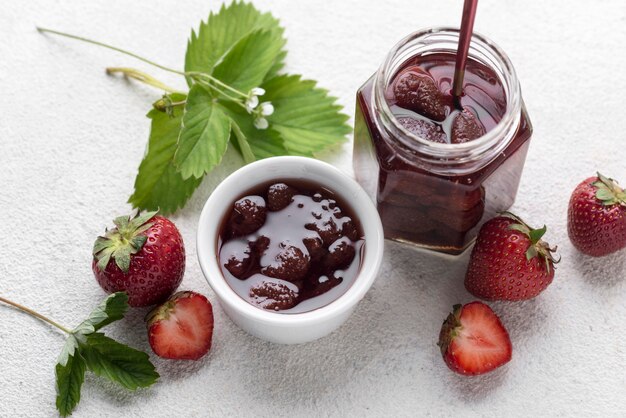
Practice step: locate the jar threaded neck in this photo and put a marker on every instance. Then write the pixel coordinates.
(449, 159)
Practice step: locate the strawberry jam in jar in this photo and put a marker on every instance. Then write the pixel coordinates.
(437, 167)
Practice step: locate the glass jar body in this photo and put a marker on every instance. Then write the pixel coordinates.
(424, 197)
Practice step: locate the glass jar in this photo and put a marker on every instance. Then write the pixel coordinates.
(437, 195)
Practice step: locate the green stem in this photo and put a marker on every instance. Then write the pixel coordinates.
(194, 74)
(147, 61)
(216, 81)
(162, 104)
(35, 314)
(231, 98)
(142, 77)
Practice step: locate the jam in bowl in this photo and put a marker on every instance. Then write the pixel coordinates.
(289, 245)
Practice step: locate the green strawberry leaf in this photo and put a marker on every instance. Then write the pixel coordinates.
(531, 252)
(216, 37)
(249, 60)
(100, 244)
(609, 192)
(121, 222)
(264, 143)
(523, 228)
(121, 257)
(109, 310)
(68, 350)
(119, 363)
(141, 221)
(278, 65)
(306, 118)
(204, 135)
(158, 184)
(606, 196)
(104, 256)
(69, 380)
(536, 234)
(137, 242)
(86, 349)
(242, 144)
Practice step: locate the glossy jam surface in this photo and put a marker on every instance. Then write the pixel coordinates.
(420, 97)
(290, 246)
(416, 205)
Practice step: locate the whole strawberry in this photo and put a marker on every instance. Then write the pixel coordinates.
(143, 256)
(182, 327)
(509, 261)
(596, 217)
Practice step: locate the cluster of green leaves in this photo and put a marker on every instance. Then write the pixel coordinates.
(88, 349)
(243, 48)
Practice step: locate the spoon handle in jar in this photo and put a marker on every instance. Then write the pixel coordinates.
(465, 36)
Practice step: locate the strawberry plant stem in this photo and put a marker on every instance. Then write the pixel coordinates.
(222, 92)
(142, 77)
(216, 81)
(140, 58)
(194, 74)
(35, 314)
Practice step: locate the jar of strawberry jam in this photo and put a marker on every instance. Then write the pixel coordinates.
(438, 167)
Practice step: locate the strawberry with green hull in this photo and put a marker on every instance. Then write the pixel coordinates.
(473, 341)
(596, 217)
(181, 328)
(509, 261)
(143, 256)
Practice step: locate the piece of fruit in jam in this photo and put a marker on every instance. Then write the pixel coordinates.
(297, 252)
(420, 97)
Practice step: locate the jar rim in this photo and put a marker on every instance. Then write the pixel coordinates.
(484, 148)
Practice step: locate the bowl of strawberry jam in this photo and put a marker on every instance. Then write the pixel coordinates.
(289, 245)
(437, 167)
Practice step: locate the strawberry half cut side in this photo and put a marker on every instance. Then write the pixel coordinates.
(181, 328)
(473, 341)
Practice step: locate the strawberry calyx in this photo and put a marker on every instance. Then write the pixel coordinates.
(126, 239)
(450, 329)
(162, 312)
(537, 247)
(609, 192)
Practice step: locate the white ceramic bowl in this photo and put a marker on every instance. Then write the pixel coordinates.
(274, 326)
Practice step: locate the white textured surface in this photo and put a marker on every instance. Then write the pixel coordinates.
(71, 139)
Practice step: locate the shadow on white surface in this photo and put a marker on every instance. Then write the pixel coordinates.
(607, 272)
(402, 314)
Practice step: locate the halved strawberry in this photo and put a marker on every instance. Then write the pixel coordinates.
(473, 340)
(181, 328)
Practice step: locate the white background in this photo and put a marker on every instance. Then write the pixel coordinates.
(71, 139)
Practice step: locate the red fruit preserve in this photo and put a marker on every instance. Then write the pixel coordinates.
(290, 246)
(439, 168)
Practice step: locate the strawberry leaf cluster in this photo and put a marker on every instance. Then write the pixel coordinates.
(231, 64)
(87, 349)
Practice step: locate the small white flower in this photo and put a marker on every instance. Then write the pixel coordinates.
(252, 103)
(261, 123)
(257, 91)
(266, 108)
